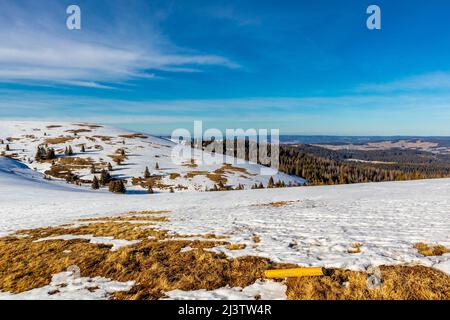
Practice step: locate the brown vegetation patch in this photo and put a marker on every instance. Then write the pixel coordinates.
(155, 266)
(192, 174)
(160, 266)
(235, 246)
(256, 239)
(174, 175)
(76, 161)
(10, 155)
(398, 283)
(118, 158)
(90, 126)
(190, 164)
(275, 204)
(59, 140)
(78, 130)
(433, 250)
(128, 218)
(148, 212)
(26, 264)
(133, 136)
(146, 182)
(59, 171)
(217, 178)
(213, 236)
(355, 248)
(53, 126)
(119, 230)
(103, 138)
(230, 167)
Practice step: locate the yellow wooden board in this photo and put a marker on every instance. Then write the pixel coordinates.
(295, 272)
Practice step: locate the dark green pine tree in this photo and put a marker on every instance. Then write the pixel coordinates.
(95, 184)
(105, 177)
(146, 173)
(271, 183)
(117, 186)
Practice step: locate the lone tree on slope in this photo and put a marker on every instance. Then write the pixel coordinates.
(146, 173)
(95, 183)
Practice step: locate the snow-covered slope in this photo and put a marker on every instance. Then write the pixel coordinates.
(102, 144)
(313, 226)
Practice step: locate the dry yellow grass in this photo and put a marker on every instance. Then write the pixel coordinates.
(118, 158)
(398, 283)
(133, 136)
(128, 218)
(190, 164)
(433, 250)
(158, 266)
(146, 182)
(148, 212)
(59, 140)
(217, 178)
(76, 161)
(235, 246)
(213, 236)
(174, 175)
(59, 171)
(119, 230)
(230, 167)
(192, 174)
(76, 131)
(355, 248)
(275, 204)
(91, 126)
(103, 138)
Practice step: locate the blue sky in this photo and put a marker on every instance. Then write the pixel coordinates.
(305, 67)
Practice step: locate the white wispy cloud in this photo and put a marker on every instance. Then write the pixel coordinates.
(36, 47)
(424, 82)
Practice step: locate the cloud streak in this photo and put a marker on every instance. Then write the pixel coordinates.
(43, 51)
(426, 82)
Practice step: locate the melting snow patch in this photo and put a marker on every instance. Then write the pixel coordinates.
(265, 290)
(443, 263)
(186, 249)
(116, 243)
(69, 286)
